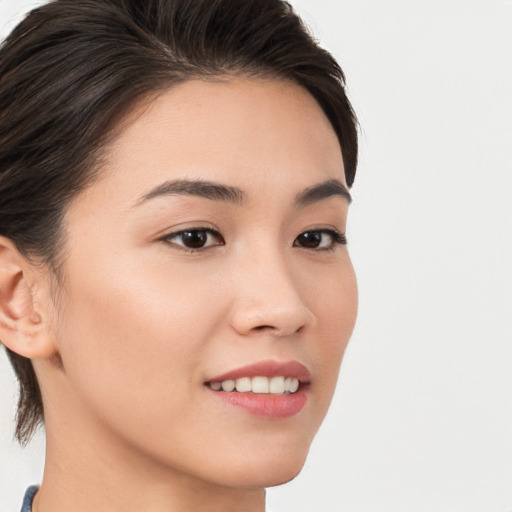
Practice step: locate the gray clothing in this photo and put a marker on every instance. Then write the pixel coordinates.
(29, 496)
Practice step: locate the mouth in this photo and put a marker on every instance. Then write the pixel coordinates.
(270, 389)
(280, 385)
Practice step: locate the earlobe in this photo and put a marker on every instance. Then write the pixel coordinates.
(22, 325)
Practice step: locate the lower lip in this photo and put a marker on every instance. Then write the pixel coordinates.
(266, 405)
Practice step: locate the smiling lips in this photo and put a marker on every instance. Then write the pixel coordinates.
(270, 389)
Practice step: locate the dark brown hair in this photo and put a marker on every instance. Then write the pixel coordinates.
(70, 69)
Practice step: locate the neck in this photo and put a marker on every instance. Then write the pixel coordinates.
(74, 482)
(89, 469)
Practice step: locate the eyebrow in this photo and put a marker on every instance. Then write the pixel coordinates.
(207, 189)
(322, 191)
(235, 195)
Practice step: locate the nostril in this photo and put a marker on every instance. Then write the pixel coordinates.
(262, 327)
(275, 330)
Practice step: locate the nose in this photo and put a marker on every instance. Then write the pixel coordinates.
(266, 297)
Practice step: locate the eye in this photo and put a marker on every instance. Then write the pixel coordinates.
(320, 239)
(195, 239)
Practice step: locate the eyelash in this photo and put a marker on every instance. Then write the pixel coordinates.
(336, 238)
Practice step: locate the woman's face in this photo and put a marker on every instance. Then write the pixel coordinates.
(210, 250)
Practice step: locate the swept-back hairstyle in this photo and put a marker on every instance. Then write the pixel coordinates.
(70, 70)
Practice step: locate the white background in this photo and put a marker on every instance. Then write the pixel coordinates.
(422, 419)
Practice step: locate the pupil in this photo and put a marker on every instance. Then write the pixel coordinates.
(310, 240)
(194, 239)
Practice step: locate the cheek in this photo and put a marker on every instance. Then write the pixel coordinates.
(336, 312)
(134, 342)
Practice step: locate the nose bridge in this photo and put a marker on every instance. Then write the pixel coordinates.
(266, 293)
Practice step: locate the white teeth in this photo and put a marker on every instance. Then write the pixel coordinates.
(228, 385)
(243, 385)
(276, 385)
(260, 385)
(291, 385)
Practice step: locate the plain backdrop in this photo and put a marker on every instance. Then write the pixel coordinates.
(422, 417)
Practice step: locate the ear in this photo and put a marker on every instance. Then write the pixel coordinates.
(23, 321)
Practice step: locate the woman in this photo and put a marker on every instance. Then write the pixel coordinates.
(176, 292)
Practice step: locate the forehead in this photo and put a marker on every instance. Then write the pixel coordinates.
(264, 134)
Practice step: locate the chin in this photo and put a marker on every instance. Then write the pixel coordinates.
(282, 477)
(265, 471)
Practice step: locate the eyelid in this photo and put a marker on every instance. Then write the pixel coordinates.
(183, 227)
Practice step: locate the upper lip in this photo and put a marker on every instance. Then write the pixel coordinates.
(291, 369)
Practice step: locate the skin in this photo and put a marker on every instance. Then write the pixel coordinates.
(124, 346)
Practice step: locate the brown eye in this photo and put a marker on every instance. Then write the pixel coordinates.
(309, 239)
(320, 239)
(195, 238)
